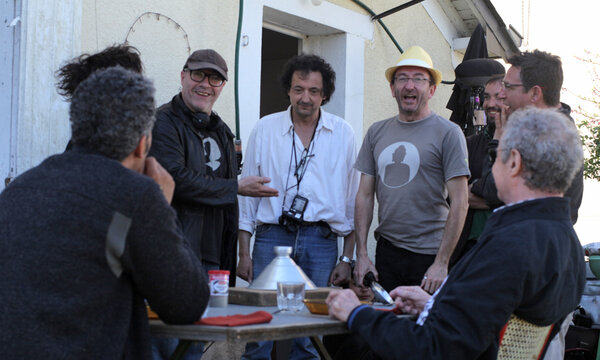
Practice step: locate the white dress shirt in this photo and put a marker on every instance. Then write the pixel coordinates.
(330, 182)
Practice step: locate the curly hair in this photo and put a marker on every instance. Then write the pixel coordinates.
(542, 69)
(111, 110)
(78, 69)
(305, 64)
(550, 147)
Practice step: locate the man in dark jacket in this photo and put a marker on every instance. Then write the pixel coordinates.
(87, 235)
(528, 261)
(196, 147)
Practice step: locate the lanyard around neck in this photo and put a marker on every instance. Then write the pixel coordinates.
(300, 169)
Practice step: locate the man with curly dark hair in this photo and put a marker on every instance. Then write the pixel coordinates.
(78, 69)
(70, 75)
(308, 153)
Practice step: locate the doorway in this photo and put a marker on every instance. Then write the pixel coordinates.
(277, 49)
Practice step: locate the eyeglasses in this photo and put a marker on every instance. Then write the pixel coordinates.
(214, 80)
(509, 86)
(403, 80)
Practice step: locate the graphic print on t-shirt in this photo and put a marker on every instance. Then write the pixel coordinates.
(398, 164)
(212, 153)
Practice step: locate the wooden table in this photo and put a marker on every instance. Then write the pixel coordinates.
(285, 325)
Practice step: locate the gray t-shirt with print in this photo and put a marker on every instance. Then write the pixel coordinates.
(411, 162)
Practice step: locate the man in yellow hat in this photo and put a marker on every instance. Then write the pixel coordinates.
(413, 161)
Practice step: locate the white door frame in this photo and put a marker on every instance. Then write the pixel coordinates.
(340, 40)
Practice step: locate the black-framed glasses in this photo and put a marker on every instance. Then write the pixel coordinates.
(214, 80)
(509, 86)
(403, 80)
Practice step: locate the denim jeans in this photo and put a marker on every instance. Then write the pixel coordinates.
(163, 348)
(314, 249)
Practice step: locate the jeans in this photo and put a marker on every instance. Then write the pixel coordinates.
(163, 348)
(314, 249)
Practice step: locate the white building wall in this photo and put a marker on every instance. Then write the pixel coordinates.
(50, 33)
(54, 31)
(9, 63)
(166, 32)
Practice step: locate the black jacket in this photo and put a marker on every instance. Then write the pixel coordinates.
(477, 145)
(206, 205)
(83, 242)
(486, 186)
(528, 262)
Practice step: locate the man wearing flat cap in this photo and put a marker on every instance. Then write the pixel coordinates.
(413, 162)
(196, 147)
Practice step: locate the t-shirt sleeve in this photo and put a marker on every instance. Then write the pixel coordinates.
(365, 162)
(455, 154)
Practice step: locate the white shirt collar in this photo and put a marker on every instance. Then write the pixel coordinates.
(324, 121)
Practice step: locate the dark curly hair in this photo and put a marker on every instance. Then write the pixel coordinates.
(306, 63)
(78, 69)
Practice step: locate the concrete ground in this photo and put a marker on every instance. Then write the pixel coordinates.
(221, 351)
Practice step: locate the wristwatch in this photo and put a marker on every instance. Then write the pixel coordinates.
(345, 259)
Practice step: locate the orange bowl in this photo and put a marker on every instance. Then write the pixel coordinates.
(318, 307)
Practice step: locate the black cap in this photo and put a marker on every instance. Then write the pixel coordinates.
(207, 59)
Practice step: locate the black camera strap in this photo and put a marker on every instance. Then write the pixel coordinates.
(300, 168)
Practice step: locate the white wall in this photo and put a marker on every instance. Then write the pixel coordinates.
(50, 33)
(9, 61)
(343, 48)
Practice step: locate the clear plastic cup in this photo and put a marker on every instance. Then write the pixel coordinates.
(290, 295)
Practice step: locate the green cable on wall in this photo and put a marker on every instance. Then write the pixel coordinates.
(367, 9)
(237, 57)
(235, 83)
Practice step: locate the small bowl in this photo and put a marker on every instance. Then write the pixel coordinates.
(151, 314)
(595, 265)
(318, 307)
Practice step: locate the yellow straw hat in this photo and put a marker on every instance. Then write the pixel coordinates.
(415, 56)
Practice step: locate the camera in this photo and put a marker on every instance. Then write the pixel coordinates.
(293, 217)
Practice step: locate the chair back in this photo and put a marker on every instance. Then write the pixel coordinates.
(520, 339)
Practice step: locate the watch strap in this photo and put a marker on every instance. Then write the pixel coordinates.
(345, 259)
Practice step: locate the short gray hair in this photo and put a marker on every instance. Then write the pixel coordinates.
(111, 110)
(550, 147)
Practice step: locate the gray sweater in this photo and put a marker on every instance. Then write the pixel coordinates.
(83, 241)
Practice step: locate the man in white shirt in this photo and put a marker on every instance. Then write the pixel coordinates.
(309, 155)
